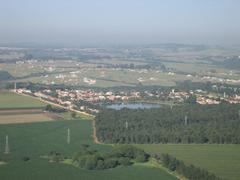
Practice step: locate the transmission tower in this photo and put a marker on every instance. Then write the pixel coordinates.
(7, 149)
(126, 125)
(15, 83)
(68, 136)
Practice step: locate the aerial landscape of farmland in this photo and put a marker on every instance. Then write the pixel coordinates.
(119, 90)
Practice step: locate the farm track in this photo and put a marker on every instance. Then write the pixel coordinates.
(95, 139)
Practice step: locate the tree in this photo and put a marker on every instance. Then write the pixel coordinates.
(48, 108)
(110, 163)
(91, 162)
(192, 99)
(73, 114)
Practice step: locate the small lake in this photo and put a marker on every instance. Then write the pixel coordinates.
(133, 106)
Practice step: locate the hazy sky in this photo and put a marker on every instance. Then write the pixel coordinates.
(120, 21)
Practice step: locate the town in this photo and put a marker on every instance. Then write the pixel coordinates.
(91, 101)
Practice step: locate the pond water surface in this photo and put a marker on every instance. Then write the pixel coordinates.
(132, 106)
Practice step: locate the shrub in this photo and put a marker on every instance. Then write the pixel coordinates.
(26, 158)
(125, 161)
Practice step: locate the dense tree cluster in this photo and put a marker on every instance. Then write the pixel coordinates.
(192, 99)
(190, 123)
(80, 103)
(190, 172)
(55, 156)
(54, 109)
(121, 155)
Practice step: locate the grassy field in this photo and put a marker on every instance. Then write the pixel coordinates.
(222, 160)
(12, 100)
(36, 139)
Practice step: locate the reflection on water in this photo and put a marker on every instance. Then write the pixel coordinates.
(133, 106)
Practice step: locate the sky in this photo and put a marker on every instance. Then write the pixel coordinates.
(79, 22)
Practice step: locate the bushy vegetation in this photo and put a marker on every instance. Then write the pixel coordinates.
(50, 108)
(190, 172)
(55, 156)
(182, 124)
(121, 155)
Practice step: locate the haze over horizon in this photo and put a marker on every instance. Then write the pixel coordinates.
(120, 22)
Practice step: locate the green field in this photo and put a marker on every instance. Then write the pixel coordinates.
(222, 160)
(36, 139)
(12, 100)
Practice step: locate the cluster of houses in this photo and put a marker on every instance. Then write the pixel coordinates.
(68, 97)
(202, 97)
(44, 95)
(222, 80)
(94, 96)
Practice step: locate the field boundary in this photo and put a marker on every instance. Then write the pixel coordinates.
(18, 111)
(95, 139)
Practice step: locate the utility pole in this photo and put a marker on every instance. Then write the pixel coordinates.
(7, 149)
(68, 136)
(126, 125)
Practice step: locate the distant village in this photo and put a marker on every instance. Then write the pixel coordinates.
(69, 98)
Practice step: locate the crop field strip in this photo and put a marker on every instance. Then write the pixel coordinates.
(24, 118)
(14, 111)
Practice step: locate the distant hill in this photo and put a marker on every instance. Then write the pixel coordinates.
(4, 76)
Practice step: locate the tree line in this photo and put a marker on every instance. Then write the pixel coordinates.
(126, 155)
(188, 171)
(189, 123)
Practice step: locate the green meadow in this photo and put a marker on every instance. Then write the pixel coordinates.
(34, 140)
